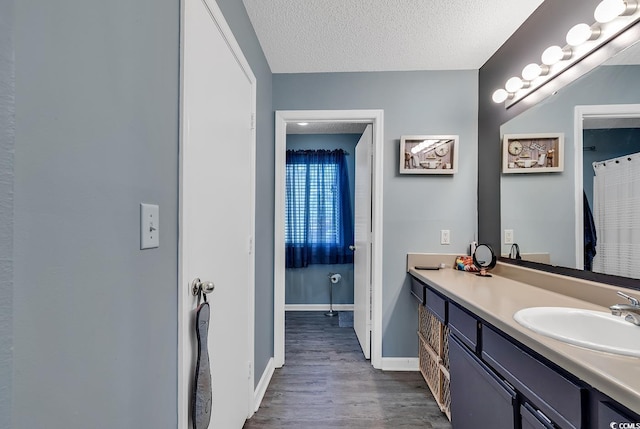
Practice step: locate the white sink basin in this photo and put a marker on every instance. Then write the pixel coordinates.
(594, 330)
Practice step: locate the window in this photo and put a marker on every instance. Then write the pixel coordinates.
(314, 214)
(318, 221)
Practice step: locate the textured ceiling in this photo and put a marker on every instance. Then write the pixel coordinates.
(304, 36)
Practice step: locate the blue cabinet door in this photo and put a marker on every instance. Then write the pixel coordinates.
(479, 399)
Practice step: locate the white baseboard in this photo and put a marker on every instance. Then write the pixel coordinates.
(400, 364)
(317, 307)
(261, 388)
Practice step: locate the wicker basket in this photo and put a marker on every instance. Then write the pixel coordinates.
(434, 357)
(445, 393)
(423, 325)
(445, 347)
(431, 329)
(430, 367)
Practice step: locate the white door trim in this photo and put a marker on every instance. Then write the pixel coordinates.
(184, 363)
(580, 113)
(375, 117)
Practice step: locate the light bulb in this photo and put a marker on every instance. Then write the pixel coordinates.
(580, 33)
(500, 96)
(533, 70)
(608, 10)
(303, 124)
(513, 84)
(554, 54)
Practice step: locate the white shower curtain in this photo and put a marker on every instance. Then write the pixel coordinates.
(616, 212)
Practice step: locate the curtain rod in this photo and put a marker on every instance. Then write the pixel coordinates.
(317, 150)
(629, 157)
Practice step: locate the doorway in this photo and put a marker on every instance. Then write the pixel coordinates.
(320, 217)
(375, 118)
(594, 117)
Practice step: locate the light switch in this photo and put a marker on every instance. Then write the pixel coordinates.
(149, 226)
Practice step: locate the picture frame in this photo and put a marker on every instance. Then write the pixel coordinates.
(429, 154)
(532, 153)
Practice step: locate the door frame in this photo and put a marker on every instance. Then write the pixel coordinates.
(376, 119)
(185, 299)
(612, 111)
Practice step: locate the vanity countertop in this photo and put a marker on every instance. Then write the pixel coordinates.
(497, 298)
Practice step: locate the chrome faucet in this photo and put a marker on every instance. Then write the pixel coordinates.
(630, 312)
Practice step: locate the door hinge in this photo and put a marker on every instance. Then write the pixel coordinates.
(250, 245)
(253, 121)
(250, 371)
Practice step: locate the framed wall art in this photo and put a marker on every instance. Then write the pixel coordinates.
(533, 153)
(429, 154)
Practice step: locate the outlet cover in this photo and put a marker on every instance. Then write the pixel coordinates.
(445, 236)
(508, 236)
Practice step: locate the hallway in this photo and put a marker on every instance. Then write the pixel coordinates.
(327, 383)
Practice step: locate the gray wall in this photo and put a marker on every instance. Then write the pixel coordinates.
(92, 319)
(237, 18)
(94, 324)
(7, 140)
(310, 285)
(415, 207)
(547, 26)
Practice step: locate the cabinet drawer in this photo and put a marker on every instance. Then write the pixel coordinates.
(418, 290)
(437, 304)
(556, 396)
(479, 399)
(464, 326)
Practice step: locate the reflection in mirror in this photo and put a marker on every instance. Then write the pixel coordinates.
(610, 161)
(544, 213)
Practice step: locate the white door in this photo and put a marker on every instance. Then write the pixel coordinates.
(216, 211)
(362, 254)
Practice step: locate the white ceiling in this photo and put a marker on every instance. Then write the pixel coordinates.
(306, 36)
(326, 128)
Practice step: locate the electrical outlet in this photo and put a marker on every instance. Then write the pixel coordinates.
(508, 236)
(445, 236)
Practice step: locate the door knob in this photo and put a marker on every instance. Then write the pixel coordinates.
(352, 248)
(197, 285)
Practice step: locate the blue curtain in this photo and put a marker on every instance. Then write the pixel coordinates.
(318, 218)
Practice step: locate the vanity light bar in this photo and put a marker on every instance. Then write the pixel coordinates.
(612, 17)
(608, 10)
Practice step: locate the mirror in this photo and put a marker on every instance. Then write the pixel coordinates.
(484, 259)
(599, 117)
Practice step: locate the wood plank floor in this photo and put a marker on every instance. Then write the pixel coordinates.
(327, 383)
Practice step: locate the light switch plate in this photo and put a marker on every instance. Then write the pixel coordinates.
(149, 226)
